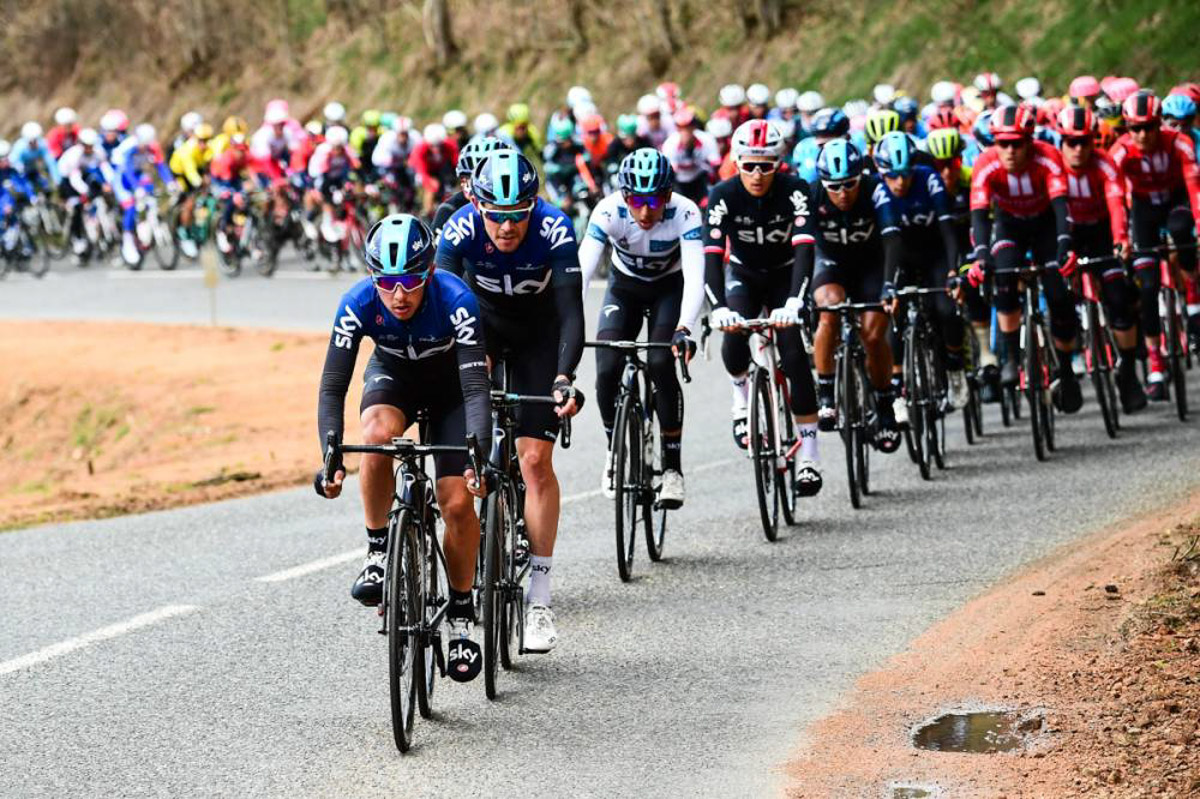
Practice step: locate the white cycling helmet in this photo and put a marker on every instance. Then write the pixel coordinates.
(485, 123)
(189, 121)
(719, 127)
(988, 82)
(758, 94)
(403, 124)
(65, 116)
(786, 98)
(88, 137)
(434, 133)
(757, 138)
(1028, 88)
(275, 115)
(731, 95)
(5, 148)
(583, 111)
(31, 131)
(145, 134)
(454, 119)
(649, 104)
(943, 92)
(856, 108)
(337, 136)
(114, 120)
(577, 95)
(313, 127)
(810, 102)
(884, 93)
(334, 113)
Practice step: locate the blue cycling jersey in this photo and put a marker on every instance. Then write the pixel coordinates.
(34, 156)
(518, 282)
(804, 157)
(449, 314)
(14, 183)
(917, 213)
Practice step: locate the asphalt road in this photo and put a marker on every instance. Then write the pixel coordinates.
(146, 656)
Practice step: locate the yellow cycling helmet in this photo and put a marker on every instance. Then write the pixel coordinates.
(880, 123)
(203, 131)
(944, 144)
(234, 125)
(518, 114)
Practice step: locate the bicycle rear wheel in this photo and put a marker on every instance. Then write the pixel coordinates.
(494, 597)
(1172, 331)
(404, 612)
(437, 592)
(1100, 365)
(627, 475)
(1034, 388)
(762, 452)
(916, 385)
(935, 425)
(785, 483)
(847, 404)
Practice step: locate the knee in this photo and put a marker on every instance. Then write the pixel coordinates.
(735, 353)
(457, 508)
(381, 429)
(537, 466)
(662, 366)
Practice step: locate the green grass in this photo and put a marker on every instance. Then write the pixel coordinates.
(90, 425)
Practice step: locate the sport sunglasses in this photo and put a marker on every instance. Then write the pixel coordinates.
(406, 283)
(1145, 127)
(500, 217)
(651, 201)
(840, 185)
(761, 167)
(1077, 141)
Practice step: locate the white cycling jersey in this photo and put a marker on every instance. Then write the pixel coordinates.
(674, 244)
(689, 163)
(391, 152)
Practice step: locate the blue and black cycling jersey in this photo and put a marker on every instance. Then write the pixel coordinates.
(537, 283)
(15, 184)
(921, 217)
(445, 328)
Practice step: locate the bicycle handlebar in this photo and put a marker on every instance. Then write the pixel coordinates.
(630, 346)
(510, 400)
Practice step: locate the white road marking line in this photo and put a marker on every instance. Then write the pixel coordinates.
(96, 636)
(326, 276)
(309, 568)
(186, 274)
(336, 560)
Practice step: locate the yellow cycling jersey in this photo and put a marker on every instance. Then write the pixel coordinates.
(190, 160)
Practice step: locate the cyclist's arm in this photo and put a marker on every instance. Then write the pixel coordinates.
(945, 215)
(715, 236)
(449, 256)
(1114, 198)
(691, 255)
(338, 371)
(981, 206)
(472, 371)
(591, 249)
(51, 163)
(1186, 151)
(893, 249)
(568, 296)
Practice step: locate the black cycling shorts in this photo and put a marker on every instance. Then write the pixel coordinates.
(530, 348)
(859, 273)
(429, 385)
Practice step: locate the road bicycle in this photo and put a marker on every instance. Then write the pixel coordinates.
(854, 398)
(637, 456)
(1099, 347)
(152, 233)
(924, 382)
(1039, 360)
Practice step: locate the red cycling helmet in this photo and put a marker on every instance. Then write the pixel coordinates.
(684, 116)
(1122, 88)
(1076, 121)
(1141, 108)
(1083, 87)
(943, 118)
(1192, 90)
(1011, 122)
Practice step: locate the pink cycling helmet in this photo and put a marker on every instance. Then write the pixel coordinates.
(1084, 86)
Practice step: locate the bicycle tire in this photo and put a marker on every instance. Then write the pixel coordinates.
(1098, 362)
(1033, 391)
(437, 591)
(762, 437)
(1050, 366)
(785, 482)
(968, 410)
(626, 478)
(936, 421)
(1174, 356)
(511, 619)
(165, 239)
(403, 592)
(56, 240)
(494, 598)
(845, 401)
(866, 399)
(916, 386)
(656, 535)
(39, 263)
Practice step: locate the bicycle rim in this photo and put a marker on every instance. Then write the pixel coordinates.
(917, 385)
(865, 395)
(436, 594)
(493, 594)
(626, 475)
(762, 431)
(785, 483)
(1050, 367)
(1175, 356)
(1033, 394)
(656, 534)
(403, 616)
(936, 424)
(846, 400)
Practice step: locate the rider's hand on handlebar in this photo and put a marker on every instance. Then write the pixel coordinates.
(789, 314)
(682, 342)
(887, 296)
(724, 319)
(477, 487)
(329, 490)
(564, 393)
(977, 274)
(1123, 250)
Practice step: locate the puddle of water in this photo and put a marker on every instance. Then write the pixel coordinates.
(908, 792)
(983, 733)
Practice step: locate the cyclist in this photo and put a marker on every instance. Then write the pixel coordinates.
(758, 100)
(331, 168)
(693, 155)
(852, 256)
(625, 142)
(432, 162)
(391, 156)
(1179, 113)
(524, 136)
(1163, 182)
(657, 268)
(911, 199)
(65, 133)
(468, 158)
(364, 139)
(228, 171)
(232, 126)
(429, 356)
(83, 172)
(189, 163)
(520, 257)
(988, 85)
(187, 126)
(761, 218)
(485, 126)
(455, 123)
(596, 140)
(733, 105)
(1096, 203)
(114, 125)
(1025, 180)
(568, 166)
(31, 155)
(15, 193)
(137, 160)
(272, 145)
(807, 105)
(828, 124)
(653, 124)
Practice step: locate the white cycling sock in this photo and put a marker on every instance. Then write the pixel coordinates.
(741, 393)
(808, 442)
(539, 581)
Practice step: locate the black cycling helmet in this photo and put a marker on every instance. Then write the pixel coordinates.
(645, 171)
(475, 151)
(399, 244)
(830, 122)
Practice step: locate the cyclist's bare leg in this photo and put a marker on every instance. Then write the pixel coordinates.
(380, 424)
(462, 530)
(879, 349)
(1009, 321)
(827, 328)
(541, 494)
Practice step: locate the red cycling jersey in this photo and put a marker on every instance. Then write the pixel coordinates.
(428, 162)
(1097, 192)
(229, 165)
(1154, 177)
(1025, 194)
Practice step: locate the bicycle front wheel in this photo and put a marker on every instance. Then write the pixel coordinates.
(919, 397)
(847, 406)
(437, 592)
(1172, 330)
(1099, 363)
(627, 483)
(1034, 388)
(785, 485)
(762, 452)
(403, 608)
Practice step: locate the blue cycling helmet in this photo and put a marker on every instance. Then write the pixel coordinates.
(506, 177)
(399, 244)
(983, 129)
(839, 160)
(907, 108)
(830, 122)
(1179, 106)
(893, 154)
(645, 171)
(475, 151)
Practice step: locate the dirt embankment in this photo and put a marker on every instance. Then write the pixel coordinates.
(101, 419)
(1099, 642)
